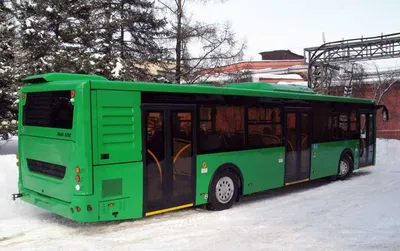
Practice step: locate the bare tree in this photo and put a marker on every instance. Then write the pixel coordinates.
(220, 77)
(217, 44)
(242, 74)
(352, 75)
(385, 81)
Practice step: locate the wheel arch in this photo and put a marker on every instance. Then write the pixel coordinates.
(235, 170)
(348, 152)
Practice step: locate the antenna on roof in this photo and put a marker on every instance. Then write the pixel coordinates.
(323, 38)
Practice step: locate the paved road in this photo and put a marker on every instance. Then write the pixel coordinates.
(9, 147)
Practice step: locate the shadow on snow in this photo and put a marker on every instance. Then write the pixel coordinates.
(114, 226)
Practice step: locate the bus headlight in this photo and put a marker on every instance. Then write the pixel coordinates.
(77, 187)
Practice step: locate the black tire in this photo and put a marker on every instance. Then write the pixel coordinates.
(349, 162)
(213, 202)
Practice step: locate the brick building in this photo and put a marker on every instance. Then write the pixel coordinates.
(391, 100)
(390, 129)
(274, 67)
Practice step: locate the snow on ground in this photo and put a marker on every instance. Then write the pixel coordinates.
(361, 213)
(2, 143)
(9, 146)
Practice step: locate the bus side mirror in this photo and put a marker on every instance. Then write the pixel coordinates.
(385, 114)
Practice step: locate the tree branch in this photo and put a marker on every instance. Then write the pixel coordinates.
(386, 90)
(168, 7)
(380, 81)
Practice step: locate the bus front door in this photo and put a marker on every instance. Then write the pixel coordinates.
(298, 147)
(367, 141)
(168, 159)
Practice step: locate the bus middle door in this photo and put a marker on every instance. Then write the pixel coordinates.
(298, 147)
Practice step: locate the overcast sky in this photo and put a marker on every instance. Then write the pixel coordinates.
(295, 24)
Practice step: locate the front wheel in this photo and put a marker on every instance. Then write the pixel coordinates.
(346, 166)
(223, 191)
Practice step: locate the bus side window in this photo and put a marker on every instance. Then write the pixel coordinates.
(264, 127)
(221, 128)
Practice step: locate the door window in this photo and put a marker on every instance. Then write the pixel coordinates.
(297, 146)
(291, 147)
(367, 139)
(155, 155)
(182, 152)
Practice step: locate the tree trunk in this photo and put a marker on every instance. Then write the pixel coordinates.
(122, 30)
(178, 48)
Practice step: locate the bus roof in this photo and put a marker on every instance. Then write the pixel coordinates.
(51, 77)
(258, 89)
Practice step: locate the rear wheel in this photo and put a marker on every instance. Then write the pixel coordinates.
(346, 166)
(223, 191)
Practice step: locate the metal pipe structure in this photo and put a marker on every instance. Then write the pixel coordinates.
(327, 56)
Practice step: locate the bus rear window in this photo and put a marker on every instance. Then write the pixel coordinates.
(48, 109)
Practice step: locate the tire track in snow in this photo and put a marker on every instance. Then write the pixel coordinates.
(7, 238)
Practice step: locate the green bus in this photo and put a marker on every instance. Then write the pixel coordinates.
(90, 149)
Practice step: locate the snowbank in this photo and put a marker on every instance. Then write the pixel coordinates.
(2, 143)
(8, 186)
(361, 213)
(9, 146)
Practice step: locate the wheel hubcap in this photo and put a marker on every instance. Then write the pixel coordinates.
(344, 168)
(224, 190)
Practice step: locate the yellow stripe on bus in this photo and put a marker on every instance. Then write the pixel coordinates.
(169, 209)
(296, 182)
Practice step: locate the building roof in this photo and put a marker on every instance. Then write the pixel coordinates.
(280, 55)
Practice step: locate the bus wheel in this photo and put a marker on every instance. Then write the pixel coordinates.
(223, 191)
(345, 167)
